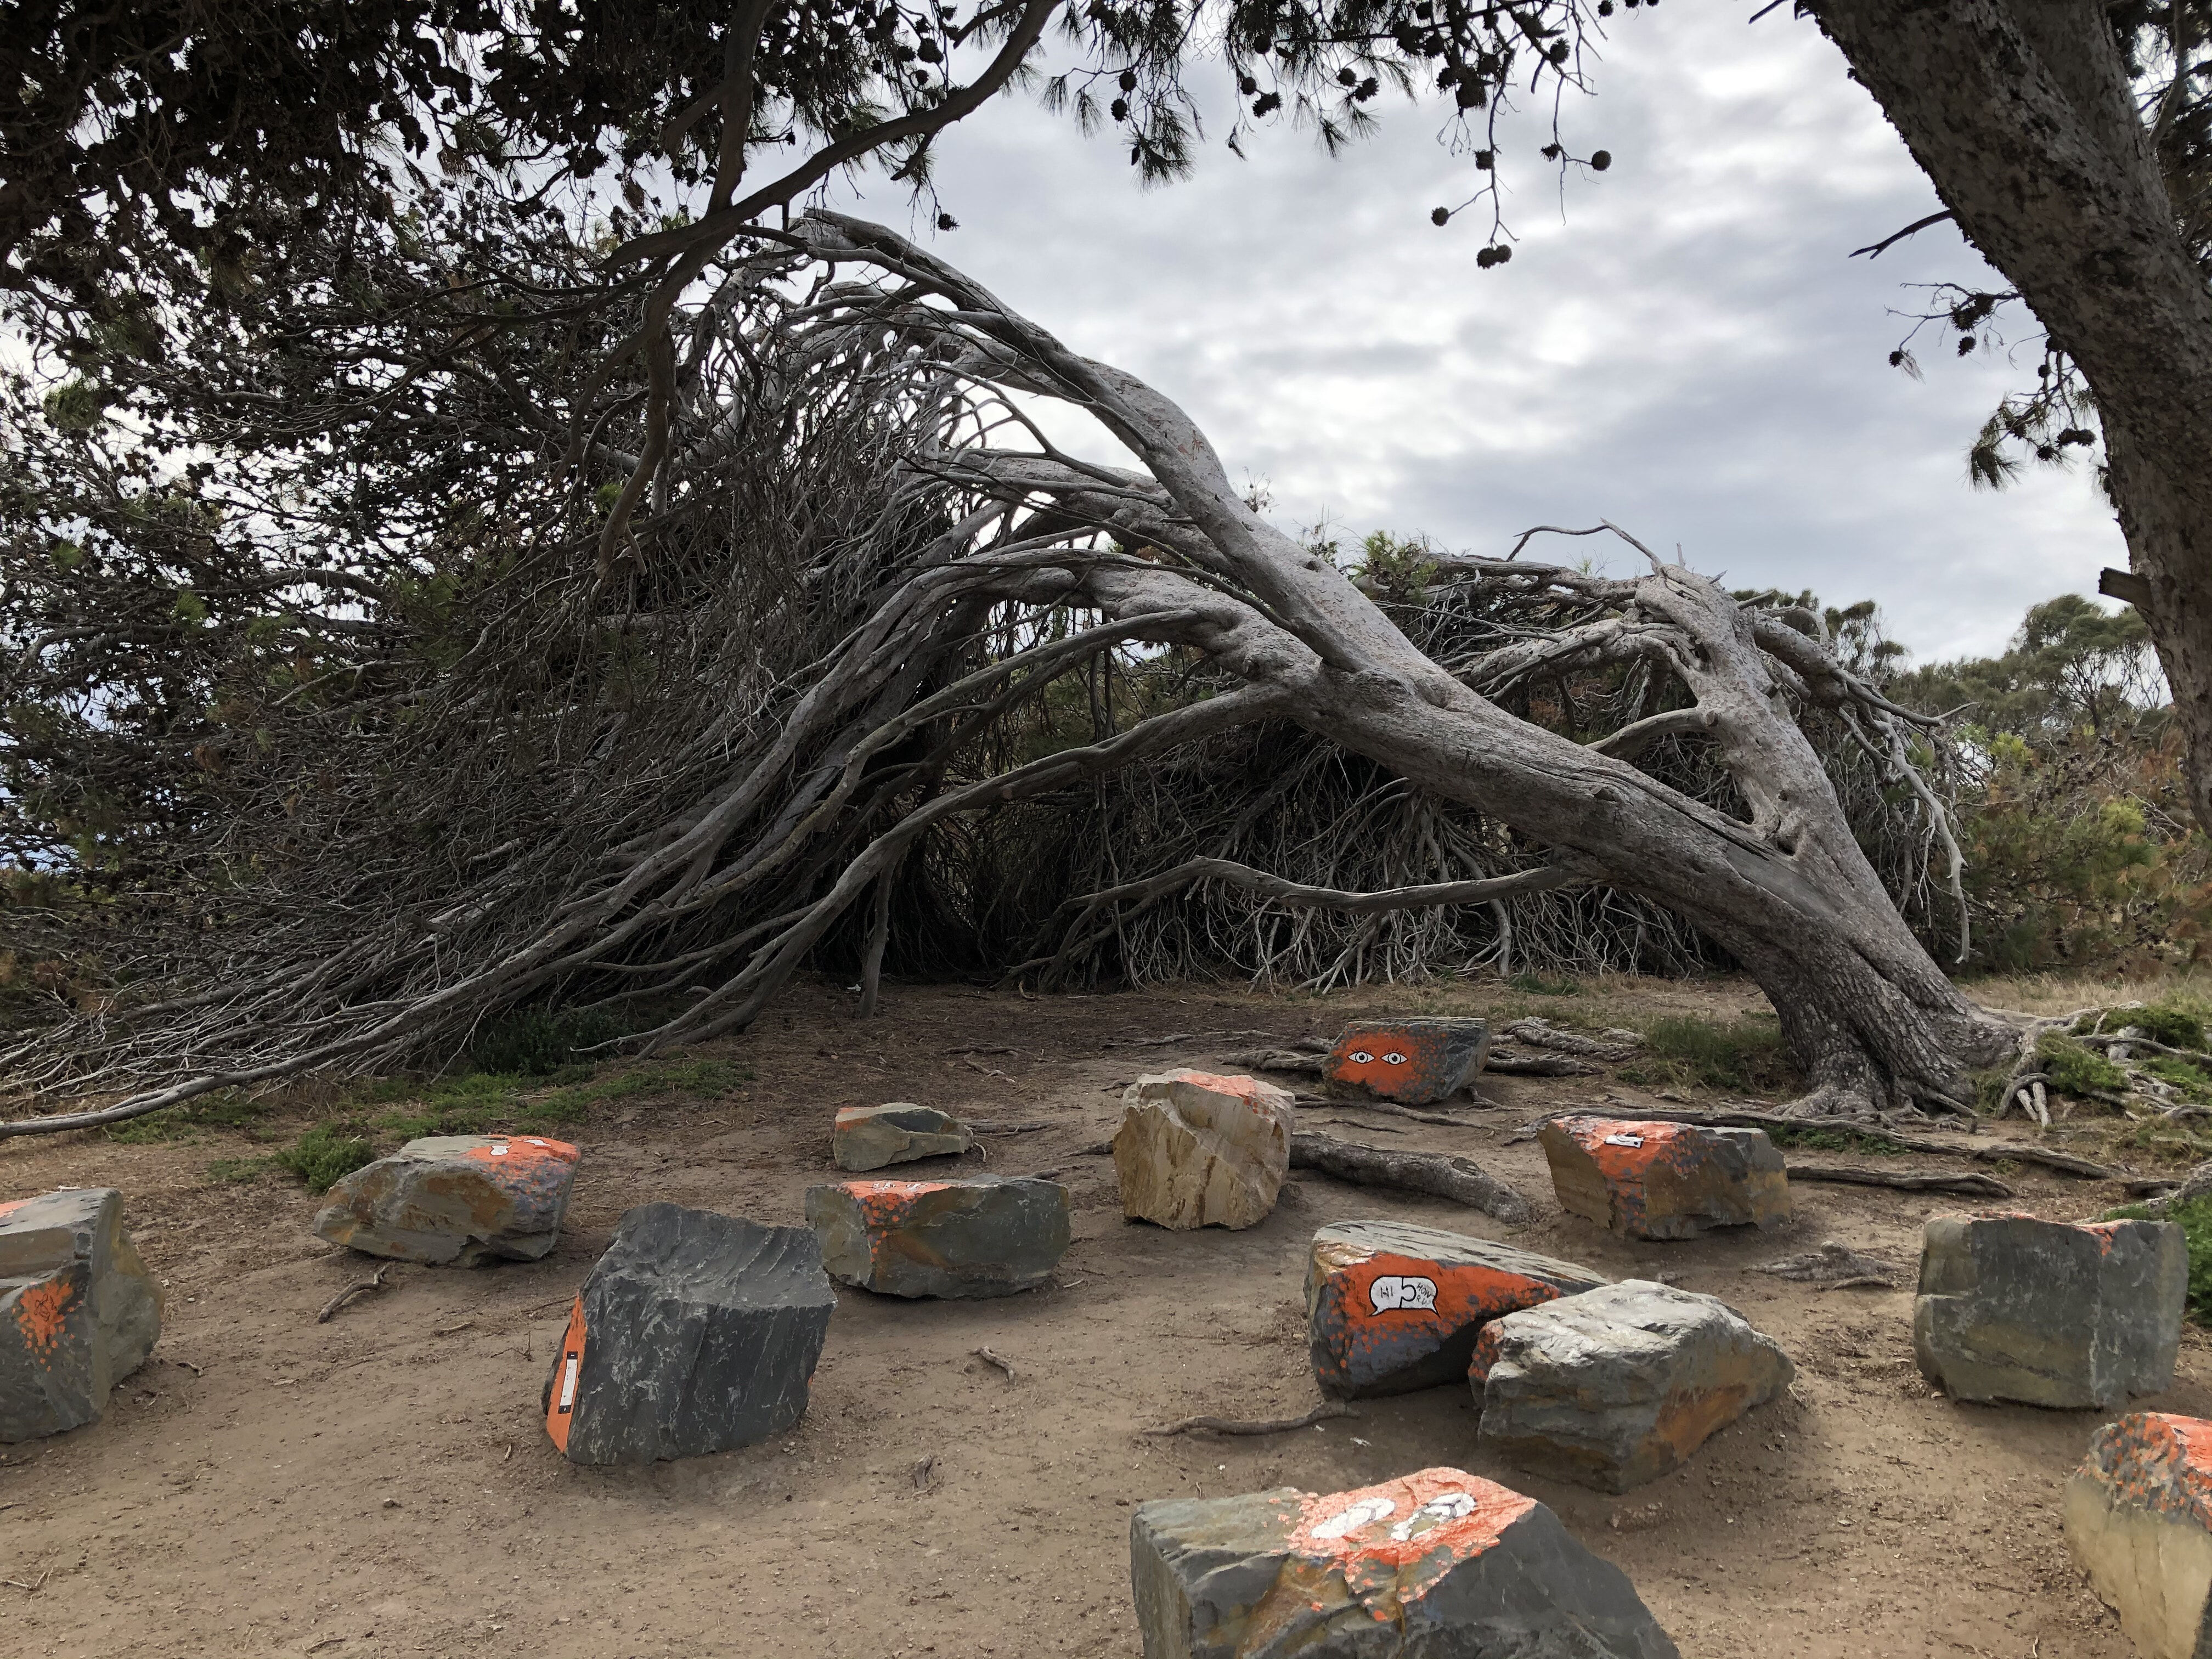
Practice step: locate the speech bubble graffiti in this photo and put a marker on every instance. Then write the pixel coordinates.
(1402, 1293)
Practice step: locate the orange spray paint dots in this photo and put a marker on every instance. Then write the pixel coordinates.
(41, 1312)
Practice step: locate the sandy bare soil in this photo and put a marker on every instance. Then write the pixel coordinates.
(380, 1485)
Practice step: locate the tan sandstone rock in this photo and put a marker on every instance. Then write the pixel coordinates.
(2138, 1516)
(1194, 1150)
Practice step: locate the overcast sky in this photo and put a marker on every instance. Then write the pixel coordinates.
(1686, 350)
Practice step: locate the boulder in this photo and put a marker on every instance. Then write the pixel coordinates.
(78, 1310)
(2048, 1312)
(694, 1333)
(465, 1200)
(2138, 1516)
(1440, 1564)
(870, 1137)
(1194, 1150)
(979, 1235)
(1412, 1062)
(1393, 1306)
(1619, 1385)
(1664, 1180)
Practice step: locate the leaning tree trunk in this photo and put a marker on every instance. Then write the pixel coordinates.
(2021, 114)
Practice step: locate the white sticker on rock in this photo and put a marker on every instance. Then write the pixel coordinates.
(1402, 1293)
(1624, 1140)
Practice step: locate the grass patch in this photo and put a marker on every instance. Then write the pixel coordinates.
(236, 1171)
(2177, 1022)
(484, 1102)
(2191, 1078)
(1832, 1140)
(2076, 1070)
(225, 1108)
(1536, 985)
(1685, 1053)
(2196, 1220)
(325, 1154)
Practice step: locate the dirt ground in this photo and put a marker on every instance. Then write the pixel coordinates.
(381, 1484)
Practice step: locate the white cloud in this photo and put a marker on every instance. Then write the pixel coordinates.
(1685, 349)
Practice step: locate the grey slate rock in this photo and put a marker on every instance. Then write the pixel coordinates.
(1619, 1386)
(694, 1333)
(2048, 1312)
(462, 1200)
(979, 1236)
(78, 1310)
(872, 1137)
(1438, 1564)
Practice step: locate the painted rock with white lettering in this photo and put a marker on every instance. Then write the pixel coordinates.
(465, 1200)
(1194, 1150)
(1414, 1062)
(1393, 1306)
(695, 1333)
(871, 1137)
(2049, 1313)
(1619, 1386)
(1439, 1565)
(78, 1310)
(1659, 1180)
(2138, 1516)
(978, 1236)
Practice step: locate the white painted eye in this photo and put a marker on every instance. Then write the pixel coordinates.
(1394, 1058)
(1360, 1057)
(1364, 1513)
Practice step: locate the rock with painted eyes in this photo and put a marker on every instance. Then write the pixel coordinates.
(1415, 1062)
(695, 1333)
(1195, 1149)
(464, 1199)
(1440, 1563)
(78, 1310)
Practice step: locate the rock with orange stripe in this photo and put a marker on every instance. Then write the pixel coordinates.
(1393, 1305)
(871, 1137)
(695, 1333)
(1194, 1150)
(978, 1236)
(1617, 1386)
(461, 1199)
(2138, 1516)
(1439, 1565)
(1659, 1180)
(78, 1310)
(2049, 1313)
(1414, 1062)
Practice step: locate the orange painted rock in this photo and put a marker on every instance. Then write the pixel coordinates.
(1439, 1565)
(2048, 1312)
(78, 1310)
(1664, 1180)
(1393, 1306)
(978, 1236)
(462, 1199)
(1194, 1150)
(1412, 1062)
(1617, 1386)
(695, 1333)
(870, 1137)
(2138, 1516)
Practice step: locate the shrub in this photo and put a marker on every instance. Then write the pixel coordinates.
(2194, 1218)
(2074, 1069)
(1742, 1054)
(537, 1041)
(226, 1109)
(325, 1154)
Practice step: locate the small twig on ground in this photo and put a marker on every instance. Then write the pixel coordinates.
(1325, 1410)
(17, 1583)
(987, 1071)
(509, 1452)
(989, 1358)
(186, 1363)
(350, 1292)
(1864, 1281)
(1008, 1128)
(925, 1473)
(448, 1330)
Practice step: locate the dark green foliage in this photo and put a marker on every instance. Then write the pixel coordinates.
(237, 1171)
(536, 1042)
(226, 1109)
(1537, 985)
(2175, 1025)
(2192, 1080)
(325, 1154)
(1740, 1054)
(488, 1103)
(1833, 1140)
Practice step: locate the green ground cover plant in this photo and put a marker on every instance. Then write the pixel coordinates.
(1683, 1052)
(2194, 1218)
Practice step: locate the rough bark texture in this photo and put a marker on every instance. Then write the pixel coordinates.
(2021, 114)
